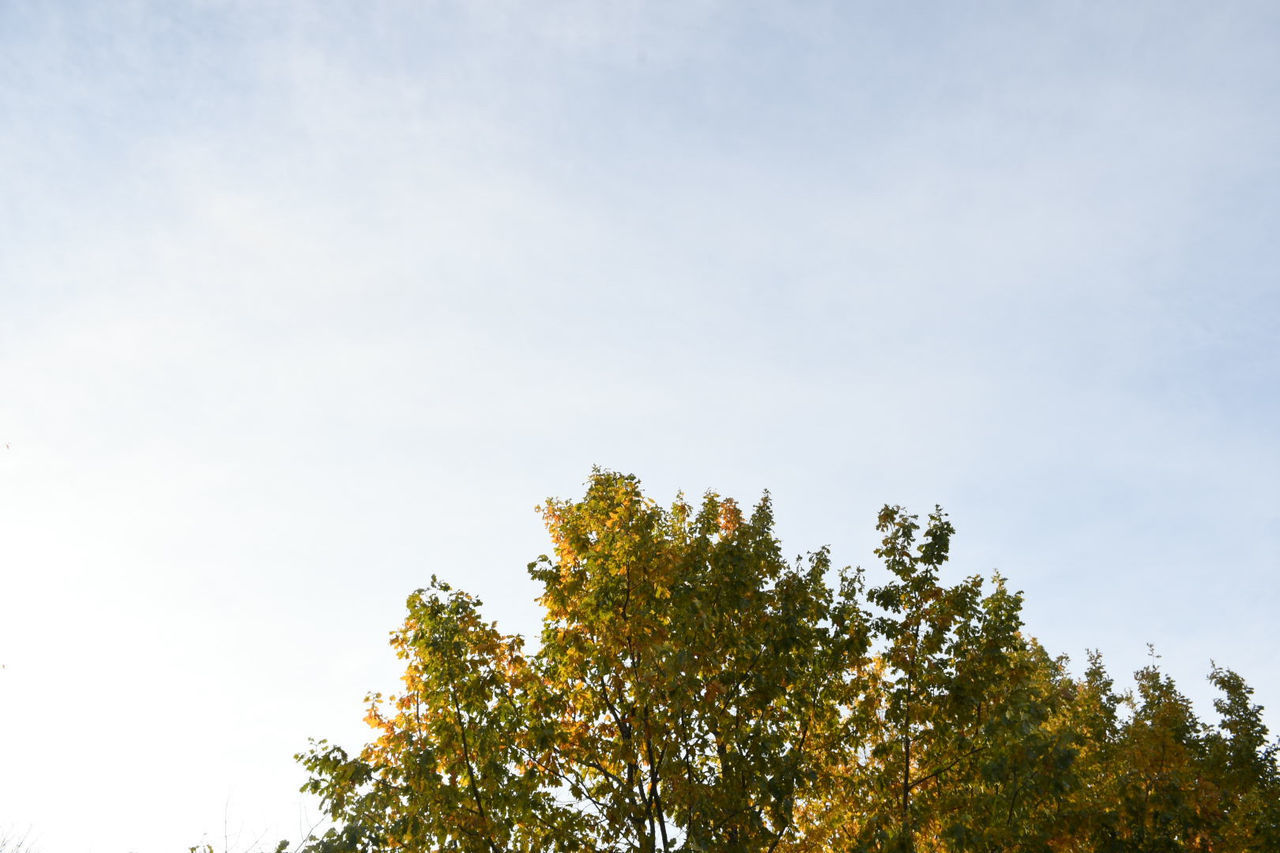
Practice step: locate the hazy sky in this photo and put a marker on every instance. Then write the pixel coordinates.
(302, 303)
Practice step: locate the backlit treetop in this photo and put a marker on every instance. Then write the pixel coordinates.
(692, 690)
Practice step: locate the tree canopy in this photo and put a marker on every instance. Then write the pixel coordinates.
(693, 690)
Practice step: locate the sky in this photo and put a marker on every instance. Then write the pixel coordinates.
(302, 303)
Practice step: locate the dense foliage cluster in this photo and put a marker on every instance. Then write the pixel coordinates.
(695, 691)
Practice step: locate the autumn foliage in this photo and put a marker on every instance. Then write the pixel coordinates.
(692, 690)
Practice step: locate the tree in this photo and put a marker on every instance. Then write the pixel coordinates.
(1243, 762)
(679, 655)
(455, 764)
(1093, 716)
(692, 690)
(678, 699)
(1165, 800)
(964, 750)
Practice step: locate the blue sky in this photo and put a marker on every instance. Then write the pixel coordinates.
(302, 303)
